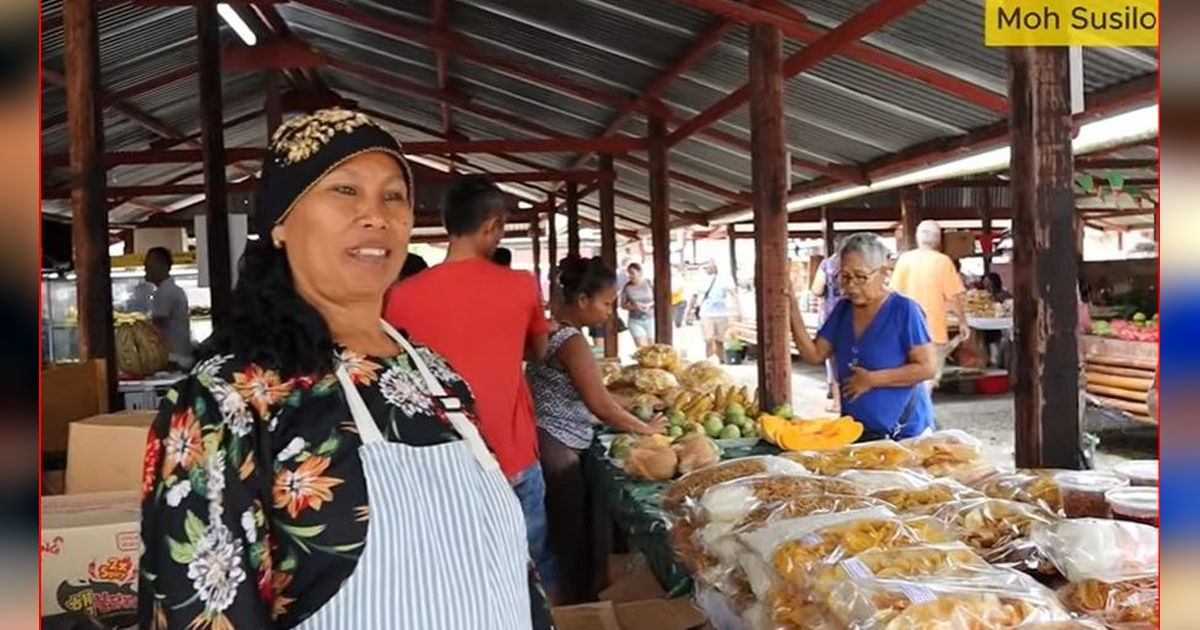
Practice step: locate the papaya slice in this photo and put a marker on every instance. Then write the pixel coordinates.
(770, 427)
(819, 435)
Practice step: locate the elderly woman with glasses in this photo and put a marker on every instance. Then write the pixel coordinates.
(880, 345)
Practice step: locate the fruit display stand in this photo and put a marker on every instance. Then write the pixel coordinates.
(1119, 373)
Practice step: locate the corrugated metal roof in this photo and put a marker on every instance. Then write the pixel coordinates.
(841, 111)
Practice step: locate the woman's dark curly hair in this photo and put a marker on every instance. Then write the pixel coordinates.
(583, 277)
(271, 325)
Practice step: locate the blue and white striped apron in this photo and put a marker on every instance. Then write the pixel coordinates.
(445, 546)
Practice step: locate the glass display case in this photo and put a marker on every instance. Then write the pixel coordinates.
(131, 293)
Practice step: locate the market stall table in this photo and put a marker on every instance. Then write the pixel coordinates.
(632, 508)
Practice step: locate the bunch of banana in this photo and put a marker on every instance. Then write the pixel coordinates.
(698, 406)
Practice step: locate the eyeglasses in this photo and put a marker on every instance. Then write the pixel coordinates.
(854, 279)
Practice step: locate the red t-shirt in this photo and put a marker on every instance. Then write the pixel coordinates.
(478, 315)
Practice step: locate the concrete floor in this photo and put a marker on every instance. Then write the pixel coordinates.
(988, 418)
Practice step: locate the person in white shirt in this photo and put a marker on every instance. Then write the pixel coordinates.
(169, 307)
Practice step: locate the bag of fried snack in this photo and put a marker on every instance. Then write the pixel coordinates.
(680, 498)
(999, 530)
(949, 453)
(660, 356)
(722, 546)
(922, 559)
(732, 500)
(876, 480)
(925, 498)
(1029, 485)
(987, 599)
(878, 455)
(1129, 604)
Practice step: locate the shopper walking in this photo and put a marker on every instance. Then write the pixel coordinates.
(928, 276)
(637, 298)
(486, 319)
(318, 469)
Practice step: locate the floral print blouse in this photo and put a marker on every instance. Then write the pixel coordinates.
(255, 506)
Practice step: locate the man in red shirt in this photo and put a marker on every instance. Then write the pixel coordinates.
(485, 319)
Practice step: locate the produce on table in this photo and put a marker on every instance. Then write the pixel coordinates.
(1137, 329)
(696, 452)
(979, 303)
(651, 458)
(620, 446)
(658, 356)
(809, 435)
(880, 455)
(140, 347)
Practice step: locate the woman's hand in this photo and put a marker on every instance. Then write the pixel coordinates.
(859, 382)
(656, 426)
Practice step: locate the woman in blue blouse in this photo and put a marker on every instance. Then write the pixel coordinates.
(880, 345)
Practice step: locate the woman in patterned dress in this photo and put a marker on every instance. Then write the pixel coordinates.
(315, 469)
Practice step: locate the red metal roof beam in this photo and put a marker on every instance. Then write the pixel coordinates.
(860, 24)
(785, 21)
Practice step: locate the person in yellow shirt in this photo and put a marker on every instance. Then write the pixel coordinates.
(928, 276)
(678, 298)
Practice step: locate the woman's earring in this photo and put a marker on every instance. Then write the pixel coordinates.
(277, 242)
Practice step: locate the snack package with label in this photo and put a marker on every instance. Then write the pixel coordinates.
(1099, 549)
(659, 356)
(999, 530)
(989, 599)
(949, 453)
(926, 498)
(1036, 486)
(681, 496)
(733, 500)
(1120, 604)
(878, 480)
(879, 455)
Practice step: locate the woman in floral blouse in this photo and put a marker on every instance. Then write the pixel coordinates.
(315, 469)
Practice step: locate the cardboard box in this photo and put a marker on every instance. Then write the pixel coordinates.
(73, 391)
(653, 614)
(104, 453)
(637, 585)
(958, 244)
(89, 555)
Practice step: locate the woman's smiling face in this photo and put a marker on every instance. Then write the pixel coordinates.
(347, 236)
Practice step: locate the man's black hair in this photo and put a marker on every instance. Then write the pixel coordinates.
(413, 264)
(162, 253)
(502, 256)
(469, 202)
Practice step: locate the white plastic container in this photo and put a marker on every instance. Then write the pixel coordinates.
(1142, 472)
(1083, 491)
(1137, 504)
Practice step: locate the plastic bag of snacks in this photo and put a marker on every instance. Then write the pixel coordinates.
(734, 499)
(610, 372)
(660, 356)
(1036, 486)
(682, 494)
(653, 380)
(927, 497)
(998, 529)
(905, 562)
(879, 455)
(989, 599)
(1094, 548)
(877, 480)
(1130, 604)
(949, 453)
(703, 376)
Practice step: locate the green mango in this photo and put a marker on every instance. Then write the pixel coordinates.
(713, 425)
(675, 431)
(620, 446)
(730, 432)
(734, 410)
(783, 411)
(676, 417)
(643, 412)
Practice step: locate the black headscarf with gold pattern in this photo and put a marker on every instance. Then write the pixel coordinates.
(305, 148)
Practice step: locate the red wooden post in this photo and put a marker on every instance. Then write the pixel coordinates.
(212, 138)
(535, 241)
(909, 218)
(985, 233)
(273, 106)
(1045, 269)
(552, 246)
(573, 220)
(660, 230)
(827, 234)
(89, 209)
(769, 172)
(608, 241)
(733, 261)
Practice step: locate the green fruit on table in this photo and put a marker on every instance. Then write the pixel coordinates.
(675, 431)
(620, 446)
(676, 417)
(1139, 317)
(735, 410)
(783, 411)
(730, 432)
(694, 428)
(749, 431)
(713, 426)
(643, 412)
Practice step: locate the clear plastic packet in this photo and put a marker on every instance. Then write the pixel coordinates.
(1121, 604)
(652, 380)
(993, 598)
(926, 498)
(681, 496)
(899, 563)
(1028, 485)
(878, 455)
(732, 500)
(946, 453)
(1099, 549)
(877, 480)
(658, 356)
(998, 529)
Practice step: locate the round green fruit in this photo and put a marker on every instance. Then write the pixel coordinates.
(730, 432)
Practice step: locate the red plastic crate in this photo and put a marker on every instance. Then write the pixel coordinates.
(992, 384)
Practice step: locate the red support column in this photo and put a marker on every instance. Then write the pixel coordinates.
(608, 241)
(660, 230)
(733, 261)
(828, 235)
(910, 216)
(535, 241)
(552, 247)
(273, 105)
(212, 134)
(573, 220)
(89, 209)
(769, 168)
(985, 235)
(1047, 396)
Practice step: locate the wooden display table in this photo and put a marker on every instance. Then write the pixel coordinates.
(1119, 373)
